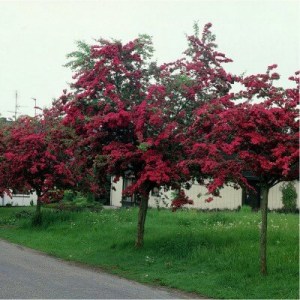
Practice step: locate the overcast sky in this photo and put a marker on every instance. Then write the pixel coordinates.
(35, 37)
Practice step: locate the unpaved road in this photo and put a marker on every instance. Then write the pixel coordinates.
(26, 273)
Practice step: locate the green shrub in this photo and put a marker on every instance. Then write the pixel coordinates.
(90, 197)
(80, 203)
(80, 200)
(289, 197)
(69, 195)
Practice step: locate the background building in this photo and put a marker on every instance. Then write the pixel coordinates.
(230, 197)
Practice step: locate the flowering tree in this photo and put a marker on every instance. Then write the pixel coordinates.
(132, 115)
(4, 168)
(258, 137)
(38, 157)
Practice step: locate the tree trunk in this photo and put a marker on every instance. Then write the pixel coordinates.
(244, 196)
(38, 203)
(263, 233)
(38, 206)
(141, 221)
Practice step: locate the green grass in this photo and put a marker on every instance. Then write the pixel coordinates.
(213, 254)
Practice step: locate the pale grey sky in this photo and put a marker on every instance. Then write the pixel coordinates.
(35, 37)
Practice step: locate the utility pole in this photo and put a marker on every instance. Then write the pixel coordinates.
(35, 107)
(17, 106)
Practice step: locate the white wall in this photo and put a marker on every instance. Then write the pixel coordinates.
(116, 193)
(275, 196)
(230, 197)
(18, 199)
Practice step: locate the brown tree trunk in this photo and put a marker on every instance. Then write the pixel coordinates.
(141, 221)
(263, 233)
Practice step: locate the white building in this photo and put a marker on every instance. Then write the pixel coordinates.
(18, 199)
(230, 197)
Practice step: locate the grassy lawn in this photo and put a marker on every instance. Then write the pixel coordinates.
(213, 254)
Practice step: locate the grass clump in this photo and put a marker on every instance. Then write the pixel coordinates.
(215, 254)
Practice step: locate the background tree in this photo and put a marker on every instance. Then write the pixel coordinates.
(38, 156)
(4, 167)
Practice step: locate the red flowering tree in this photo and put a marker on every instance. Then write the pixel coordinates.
(4, 168)
(38, 156)
(258, 137)
(132, 115)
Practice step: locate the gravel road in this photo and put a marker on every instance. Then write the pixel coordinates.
(29, 274)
